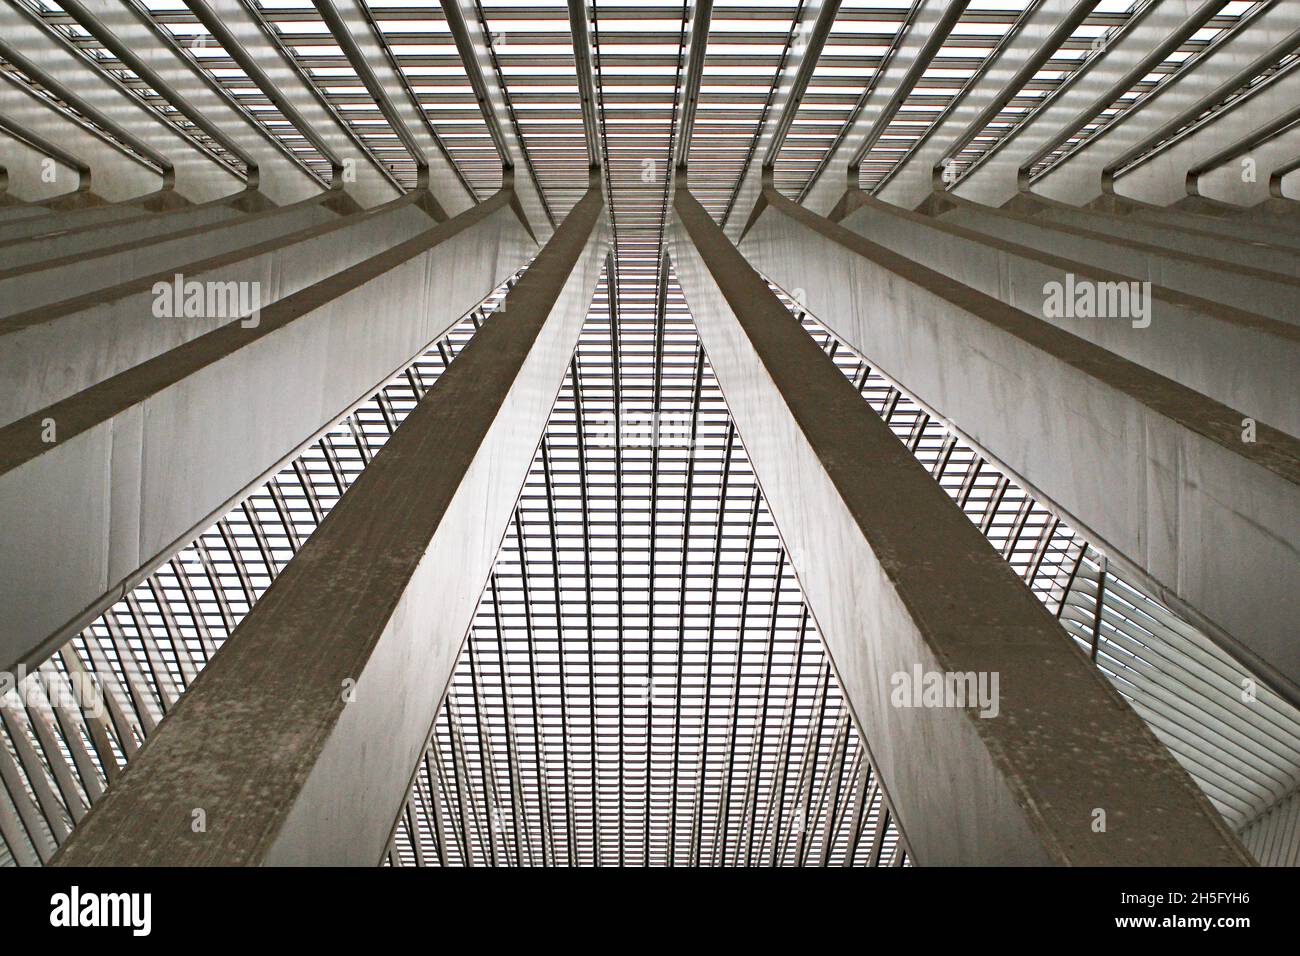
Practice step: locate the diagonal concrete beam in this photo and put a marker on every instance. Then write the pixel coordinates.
(130, 34)
(1155, 30)
(52, 352)
(1036, 37)
(36, 170)
(925, 21)
(701, 16)
(1229, 156)
(466, 25)
(299, 739)
(352, 25)
(58, 242)
(42, 53)
(35, 280)
(1104, 242)
(1168, 482)
(1265, 155)
(99, 488)
(1284, 193)
(1271, 250)
(934, 42)
(107, 168)
(1244, 360)
(901, 582)
(1269, 222)
(248, 39)
(584, 65)
(139, 215)
(810, 35)
(1266, 36)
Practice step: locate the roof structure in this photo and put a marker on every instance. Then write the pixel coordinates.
(644, 682)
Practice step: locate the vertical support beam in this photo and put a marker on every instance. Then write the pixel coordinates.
(299, 740)
(903, 585)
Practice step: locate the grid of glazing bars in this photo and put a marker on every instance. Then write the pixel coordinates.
(643, 684)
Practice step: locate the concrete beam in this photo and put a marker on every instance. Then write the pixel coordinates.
(934, 42)
(1253, 128)
(154, 55)
(33, 170)
(1034, 40)
(813, 29)
(248, 40)
(1243, 176)
(1156, 30)
(1234, 61)
(1234, 223)
(110, 170)
(138, 214)
(1153, 473)
(1284, 189)
(354, 28)
(1265, 293)
(584, 66)
(99, 238)
(46, 281)
(40, 52)
(300, 738)
(52, 352)
(900, 581)
(1270, 250)
(1244, 360)
(827, 185)
(479, 63)
(13, 209)
(144, 460)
